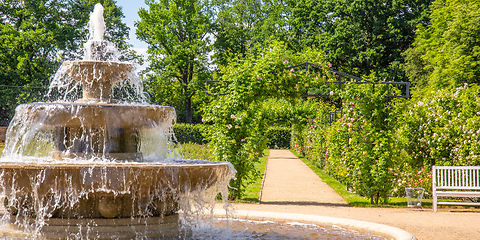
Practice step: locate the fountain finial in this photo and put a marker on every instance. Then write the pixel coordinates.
(97, 23)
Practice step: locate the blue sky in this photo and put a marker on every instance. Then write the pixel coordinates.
(130, 10)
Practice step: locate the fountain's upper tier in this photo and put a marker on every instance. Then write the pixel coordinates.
(97, 77)
(97, 115)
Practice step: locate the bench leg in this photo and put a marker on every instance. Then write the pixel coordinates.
(434, 202)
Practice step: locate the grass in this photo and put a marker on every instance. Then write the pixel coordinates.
(196, 151)
(252, 190)
(354, 199)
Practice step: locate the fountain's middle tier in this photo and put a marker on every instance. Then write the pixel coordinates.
(99, 115)
(96, 130)
(104, 190)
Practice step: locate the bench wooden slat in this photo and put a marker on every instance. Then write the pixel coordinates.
(457, 194)
(449, 178)
(442, 171)
(460, 203)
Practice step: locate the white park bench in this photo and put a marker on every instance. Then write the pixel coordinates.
(455, 182)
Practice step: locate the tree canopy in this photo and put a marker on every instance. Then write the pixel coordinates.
(241, 24)
(446, 54)
(359, 36)
(177, 34)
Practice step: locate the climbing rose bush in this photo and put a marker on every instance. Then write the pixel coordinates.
(440, 128)
(238, 121)
(360, 144)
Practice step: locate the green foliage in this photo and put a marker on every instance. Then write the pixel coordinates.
(241, 24)
(189, 133)
(446, 54)
(442, 127)
(237, 118)
(36, 36)
(379, 147)
(278, 137)
(308, 136)
(361, 35)
(177, 35)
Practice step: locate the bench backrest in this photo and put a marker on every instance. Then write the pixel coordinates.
(446, 177)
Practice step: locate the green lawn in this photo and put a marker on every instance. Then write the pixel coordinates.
(196, 151)
(252, 191)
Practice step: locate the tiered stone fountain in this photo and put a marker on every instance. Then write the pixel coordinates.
(77, 170)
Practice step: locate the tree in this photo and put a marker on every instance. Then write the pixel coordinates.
(36, 36)
(177, 34)
(241, 24)
(446, 54)
(359, 35)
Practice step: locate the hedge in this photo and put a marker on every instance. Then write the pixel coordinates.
(279, 137)
(189, 133)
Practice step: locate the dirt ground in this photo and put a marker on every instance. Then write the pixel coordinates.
(290, 186)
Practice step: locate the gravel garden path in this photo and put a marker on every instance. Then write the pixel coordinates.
(290, 181)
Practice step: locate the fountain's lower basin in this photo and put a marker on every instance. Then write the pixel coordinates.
(103, 190)
(167, 227)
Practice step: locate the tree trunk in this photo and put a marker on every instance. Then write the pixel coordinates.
(188, 109)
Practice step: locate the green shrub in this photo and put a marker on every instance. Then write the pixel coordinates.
(189, 133)
(278, 137)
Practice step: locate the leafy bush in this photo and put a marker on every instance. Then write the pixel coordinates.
(360, 144)
(278, 137)
(358, 148)
(189, 133)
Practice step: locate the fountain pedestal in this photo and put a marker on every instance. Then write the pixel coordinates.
(97, 78)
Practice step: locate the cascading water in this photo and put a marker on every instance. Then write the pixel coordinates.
(98, 167)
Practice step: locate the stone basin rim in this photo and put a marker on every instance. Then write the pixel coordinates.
(112, 165)
(389, 232)
(99, 104)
